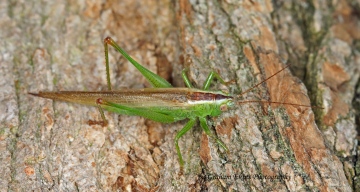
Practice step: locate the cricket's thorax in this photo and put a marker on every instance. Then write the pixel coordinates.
(207, 97)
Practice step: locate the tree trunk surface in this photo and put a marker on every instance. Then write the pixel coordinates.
(50, 145)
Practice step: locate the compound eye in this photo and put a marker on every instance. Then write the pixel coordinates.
(99, 101)
(223, 107)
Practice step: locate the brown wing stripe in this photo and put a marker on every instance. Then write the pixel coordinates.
(199, 96)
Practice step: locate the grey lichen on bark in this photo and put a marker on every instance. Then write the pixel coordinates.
(58, 46)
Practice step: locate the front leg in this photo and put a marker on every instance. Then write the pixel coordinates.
(208, 80)
(206, 129)
(211, 77)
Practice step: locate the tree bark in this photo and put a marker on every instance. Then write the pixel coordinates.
(50, 145)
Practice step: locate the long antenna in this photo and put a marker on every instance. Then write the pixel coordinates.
(276, 102)
(263, 81)
(272, 102)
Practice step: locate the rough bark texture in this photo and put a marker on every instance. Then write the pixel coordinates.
(47, 145)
